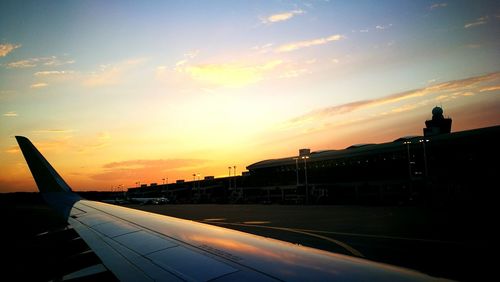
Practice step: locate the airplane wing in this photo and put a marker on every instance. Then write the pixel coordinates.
(141, 246)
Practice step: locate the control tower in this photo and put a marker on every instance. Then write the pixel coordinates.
(438, 124)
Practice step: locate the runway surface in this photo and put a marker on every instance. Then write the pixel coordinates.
(450, 244)
(439, 242)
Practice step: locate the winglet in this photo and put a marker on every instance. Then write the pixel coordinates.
(53, 188)
(46, 177)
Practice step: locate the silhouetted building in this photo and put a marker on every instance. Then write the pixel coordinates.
(438, 124)
(439, 167)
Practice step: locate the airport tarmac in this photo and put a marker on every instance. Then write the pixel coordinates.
(436, 242)
(441, 242)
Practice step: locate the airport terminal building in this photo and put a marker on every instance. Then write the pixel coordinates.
(437, 167)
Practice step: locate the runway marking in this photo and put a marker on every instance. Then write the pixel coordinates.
(256, 222)
(381, 236)
(342, 244)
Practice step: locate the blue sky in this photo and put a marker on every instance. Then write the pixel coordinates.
(232, 82)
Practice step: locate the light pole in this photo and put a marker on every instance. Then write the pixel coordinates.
(229, 177)
(297, 170)
(234, 174)
(423, 141)
(199, 181)
(407, 143)
(305, 172)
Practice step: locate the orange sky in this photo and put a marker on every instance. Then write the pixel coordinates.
(137, 93)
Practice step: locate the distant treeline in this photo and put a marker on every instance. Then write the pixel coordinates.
(35, 197)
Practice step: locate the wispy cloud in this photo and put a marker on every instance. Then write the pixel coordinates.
(477, 22)
(30, 63)
(187, 57)
(56, 77)
(451, 86)
(284, 16)
(308, 43)
(10, 114)
(110, 74)
(107, 74)
(39, 85)
(438, 5)
(13, 150)
(5, 49)
(490, 88)
(378, 27)
(295, 72)
(57, 131)
(145, 168)
(170, 163)
(54, 73)
(265, 48)
(51, 61)
(382, 27)
(232, 74)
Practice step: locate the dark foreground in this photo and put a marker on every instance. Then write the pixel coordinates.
(453, 243)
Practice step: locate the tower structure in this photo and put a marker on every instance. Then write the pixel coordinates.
(438, 124)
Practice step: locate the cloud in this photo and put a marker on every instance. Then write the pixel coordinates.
(167, 164)
(382, 27)
(404, 108)
(10, 114)
(490, 88)
(39, 85)
(56, 62)
(110, 74)
(450, 86)
(53, 73)
(53, 131)
(468, 93)
(438, 5)
(295, 73)
(192, 54)
(55, 77)
(282, 16)
(187, 57)
(145, 168)
(265, 48)
(478, 22)
(228, 74)
(180, 63)
(308, 43)
(13, 150)
(22, 64)
(51, 61)
(5, 49)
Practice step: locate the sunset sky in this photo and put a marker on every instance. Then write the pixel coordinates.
(119, 92)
